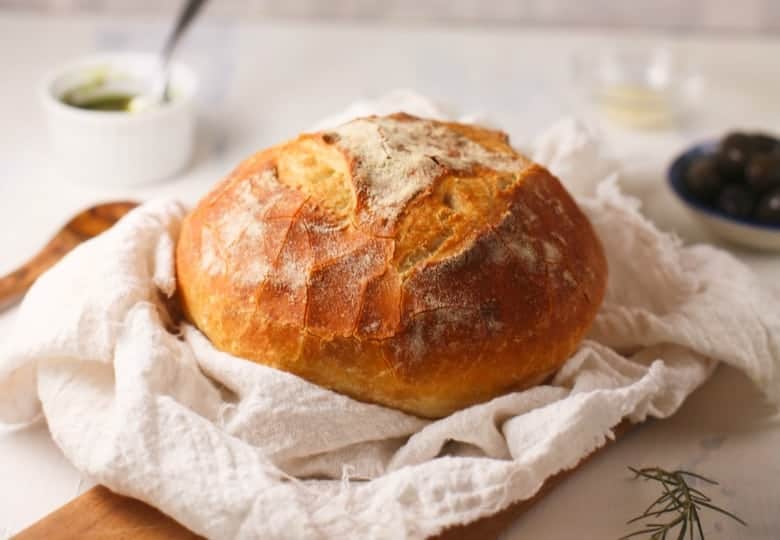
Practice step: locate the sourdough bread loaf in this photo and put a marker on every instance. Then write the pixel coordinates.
(417, 264)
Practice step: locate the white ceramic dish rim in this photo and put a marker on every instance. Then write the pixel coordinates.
(739, 233)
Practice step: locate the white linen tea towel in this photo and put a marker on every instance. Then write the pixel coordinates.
(232, 449)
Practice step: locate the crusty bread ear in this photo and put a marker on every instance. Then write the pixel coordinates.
(417, 264)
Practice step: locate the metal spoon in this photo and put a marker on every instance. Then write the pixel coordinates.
(159, 92)
(81, 227)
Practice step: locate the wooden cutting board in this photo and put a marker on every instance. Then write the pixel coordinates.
(99, 514)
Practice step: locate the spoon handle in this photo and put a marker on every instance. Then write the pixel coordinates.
(187, 14)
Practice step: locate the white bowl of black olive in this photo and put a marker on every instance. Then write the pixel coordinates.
(733, 187)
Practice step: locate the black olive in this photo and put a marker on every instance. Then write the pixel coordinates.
(761, 143)
(763, 172)
(736, 201)
(768, 209)
(735, 139)
(702, 180)
(732, 157)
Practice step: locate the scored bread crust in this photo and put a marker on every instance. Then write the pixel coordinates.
(421, 265)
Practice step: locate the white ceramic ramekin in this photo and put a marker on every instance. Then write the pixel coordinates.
(120, 148)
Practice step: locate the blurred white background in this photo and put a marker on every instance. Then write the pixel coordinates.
(698, 15)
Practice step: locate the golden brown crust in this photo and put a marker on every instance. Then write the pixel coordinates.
(418, 264)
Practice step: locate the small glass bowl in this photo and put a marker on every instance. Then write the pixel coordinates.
(643, 88)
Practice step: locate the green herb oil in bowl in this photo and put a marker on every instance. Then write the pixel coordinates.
(107, 92)
(111, 102)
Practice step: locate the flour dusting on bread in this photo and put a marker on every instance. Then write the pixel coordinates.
(210, 260)
(396, 158)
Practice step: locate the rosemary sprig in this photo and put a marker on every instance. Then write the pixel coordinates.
(680, 502)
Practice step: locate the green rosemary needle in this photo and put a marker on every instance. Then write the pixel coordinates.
(679, 502)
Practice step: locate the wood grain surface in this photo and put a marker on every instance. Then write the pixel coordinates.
(101, 514)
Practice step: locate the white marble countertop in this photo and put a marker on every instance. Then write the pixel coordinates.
(264, 82)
